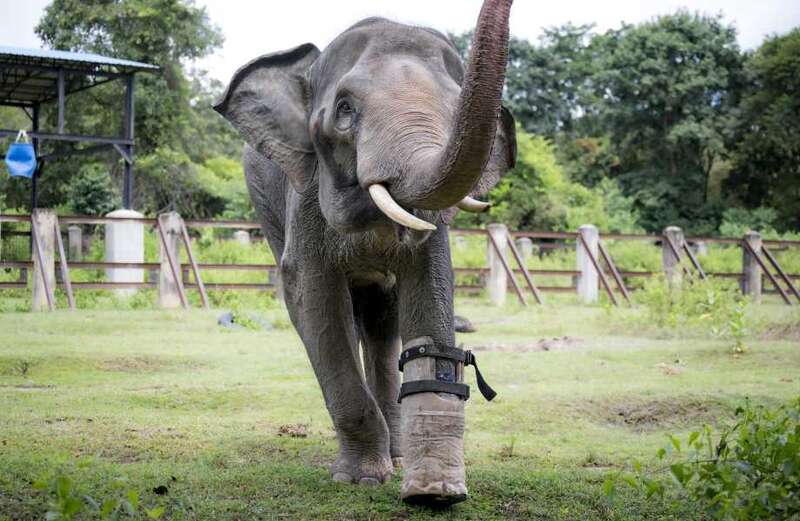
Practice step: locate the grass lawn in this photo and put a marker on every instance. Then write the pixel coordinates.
(210, 423)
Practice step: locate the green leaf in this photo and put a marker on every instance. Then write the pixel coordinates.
(133, 498)
(109, 506)
(63, 486)
(72, 505)
(155, 513)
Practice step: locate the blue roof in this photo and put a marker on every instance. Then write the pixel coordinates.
(68, 59)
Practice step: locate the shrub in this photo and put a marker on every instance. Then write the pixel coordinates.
(752, 471)
(90, 191)
(713, 305)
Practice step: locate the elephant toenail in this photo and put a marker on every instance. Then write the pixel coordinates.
(341, 477)
(369, 482)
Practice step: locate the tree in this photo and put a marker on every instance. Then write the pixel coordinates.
(766, 140)
(176, 130)
(667, 89)
(546, 85)
(537, 194)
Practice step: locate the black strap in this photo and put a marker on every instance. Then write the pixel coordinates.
(452, 353)
(483, 387)
(412, 353)
(433, 386)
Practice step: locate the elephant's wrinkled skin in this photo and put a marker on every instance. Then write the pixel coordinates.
(384, 103)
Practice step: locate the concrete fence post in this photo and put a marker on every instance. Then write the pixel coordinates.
(45, 227)
(672, 266)
(171, 225)
(525, 248)
(497, 281)
(751, 280)
(588, 280)
(125, 243)
(242, 237)
(75, 242)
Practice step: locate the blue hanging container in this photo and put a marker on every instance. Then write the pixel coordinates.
(21, 158)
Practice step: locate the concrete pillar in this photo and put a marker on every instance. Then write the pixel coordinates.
(751, 281)
(700, 249)
(75, 241)
(168, 296)
(587, 284)
(125, 243)
(525, 248)
(672, 267)
(497, 282)
(45, 227)
(242, 237)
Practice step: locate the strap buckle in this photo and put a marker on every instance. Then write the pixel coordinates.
(446, 352)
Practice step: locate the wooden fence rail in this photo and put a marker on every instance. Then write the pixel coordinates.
(595, 268)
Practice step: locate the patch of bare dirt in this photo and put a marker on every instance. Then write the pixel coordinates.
(639, 414)
(28, 387)
(564, 343)
(790, 331)
(670, 369)
(293, 430)
(141, 364)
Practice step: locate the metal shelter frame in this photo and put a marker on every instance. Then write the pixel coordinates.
(30, 78)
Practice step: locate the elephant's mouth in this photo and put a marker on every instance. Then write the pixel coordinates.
(385, 202)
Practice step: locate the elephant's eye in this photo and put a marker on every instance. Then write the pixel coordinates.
(345, 115)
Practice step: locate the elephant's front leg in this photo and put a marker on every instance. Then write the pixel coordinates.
(376, 312)
(320, 307)
(432, 426)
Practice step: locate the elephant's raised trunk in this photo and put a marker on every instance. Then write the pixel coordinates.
(451, 175)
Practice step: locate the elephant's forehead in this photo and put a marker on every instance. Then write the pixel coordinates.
(373, 47)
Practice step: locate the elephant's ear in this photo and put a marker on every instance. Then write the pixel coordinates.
(267, 101)
(502, 159)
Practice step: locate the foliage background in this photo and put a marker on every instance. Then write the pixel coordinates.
(666, 122)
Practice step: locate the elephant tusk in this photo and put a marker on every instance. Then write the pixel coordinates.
(468, 204)
(385, 203)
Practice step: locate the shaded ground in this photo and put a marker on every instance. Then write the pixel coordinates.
(211, 423)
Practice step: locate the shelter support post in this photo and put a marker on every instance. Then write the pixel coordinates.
(127, 190)
(37, 173)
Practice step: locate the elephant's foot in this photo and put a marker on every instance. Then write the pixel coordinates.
(433, 450)
(433, 493)
(362, 470)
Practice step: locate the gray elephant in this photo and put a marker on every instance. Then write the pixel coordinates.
(356, 160)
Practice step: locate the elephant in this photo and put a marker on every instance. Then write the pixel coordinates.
(356, 159)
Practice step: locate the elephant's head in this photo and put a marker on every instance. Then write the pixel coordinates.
(386, 118)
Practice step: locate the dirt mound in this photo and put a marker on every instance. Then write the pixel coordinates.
(564, 343)
(640, 415)
(141, 364)
(790, 331)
